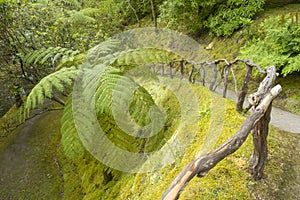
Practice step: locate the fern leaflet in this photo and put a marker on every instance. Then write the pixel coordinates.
(70, 140)
(44, 88)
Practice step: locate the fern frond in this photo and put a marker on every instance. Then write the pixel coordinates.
(42, 55)
(78, 18)
(44, 88)
(103, 95)
(50, 51)
(72, 145)
(31, 57)
(58, 54)
(91, 12)
(132, 100)
(145, 56)
(117, 136)
(103, 52)
(73, 60)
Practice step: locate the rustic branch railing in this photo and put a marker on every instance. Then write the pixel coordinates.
(258, 121)
(198, 69)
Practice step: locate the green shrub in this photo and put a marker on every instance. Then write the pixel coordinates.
(278, 44)
(221, 18)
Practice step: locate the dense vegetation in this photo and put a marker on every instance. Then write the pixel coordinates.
(44, 43)
(276, 42)
(30, 26)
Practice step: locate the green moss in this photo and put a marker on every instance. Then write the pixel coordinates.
(228, 180)
(84, 178)
(7, 125)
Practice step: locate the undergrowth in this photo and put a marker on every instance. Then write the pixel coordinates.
(229, 49)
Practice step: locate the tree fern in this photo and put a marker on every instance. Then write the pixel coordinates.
(59, 80)
(116, 135)
(70, 140)
(107, 83)
(124, 98)
(112, 83)
(104, 53)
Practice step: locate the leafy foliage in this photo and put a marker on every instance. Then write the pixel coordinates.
(51, 55)
(232, 16)
(70, 140)
(111, 81)
(145, 56)
(278, 44)
(30, 29)
(58, 80)
(222, 18)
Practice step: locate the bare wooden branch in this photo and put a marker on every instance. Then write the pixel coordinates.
(243, 93)
(234, 79)
(134, 12)
(181, 68)
(170, 68)
(264, 86)
(259, 137)
(226, 69)
(153, 13)
(202, 71)
(228, 65)
(250, 63)
(191, 73)
(260, 152)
